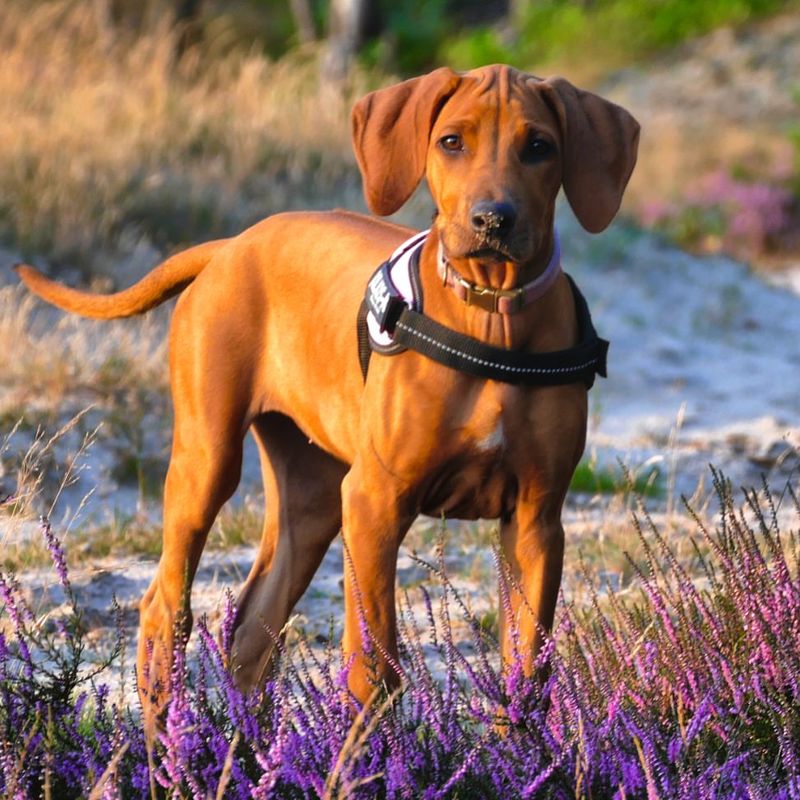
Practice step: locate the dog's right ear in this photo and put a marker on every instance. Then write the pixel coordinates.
(391, 129)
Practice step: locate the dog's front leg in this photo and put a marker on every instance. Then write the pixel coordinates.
(375, 518)
(533, 549)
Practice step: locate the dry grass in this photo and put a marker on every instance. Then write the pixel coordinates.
(110, 377)
(57, 361)
(602, 546)
(54, 475)
(22, 481)
(103, 137)
(108, 147)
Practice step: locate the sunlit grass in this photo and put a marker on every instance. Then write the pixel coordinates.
(55, 358)
(106, 139)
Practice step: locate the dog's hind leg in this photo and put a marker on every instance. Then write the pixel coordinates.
(198, 483)
(204, 470)
(302, 487)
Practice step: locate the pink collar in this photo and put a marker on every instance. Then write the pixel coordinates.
(501, 301)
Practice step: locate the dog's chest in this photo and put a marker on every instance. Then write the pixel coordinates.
(457, 448)
(476, 480)
(480, 487)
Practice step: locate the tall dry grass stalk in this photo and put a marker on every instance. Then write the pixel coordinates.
(103, 134)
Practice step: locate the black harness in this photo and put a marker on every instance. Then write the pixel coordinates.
(412, 330)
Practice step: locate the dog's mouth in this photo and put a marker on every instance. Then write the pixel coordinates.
(492, 248)
(490, 254)
(460, 245)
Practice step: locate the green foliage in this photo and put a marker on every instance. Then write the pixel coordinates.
(414, 30)
(794, 138)
(602, 33)
(419, 34)
(476, 46)
(593, 479)
(691, 226)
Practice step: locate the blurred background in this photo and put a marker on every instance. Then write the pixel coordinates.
(130, 128)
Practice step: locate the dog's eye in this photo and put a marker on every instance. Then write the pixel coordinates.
(452, 143)
(536, 149)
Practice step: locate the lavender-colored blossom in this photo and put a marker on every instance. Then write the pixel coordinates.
(56, 553)
(745, 214)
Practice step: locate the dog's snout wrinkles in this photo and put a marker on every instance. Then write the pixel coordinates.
(490, 217)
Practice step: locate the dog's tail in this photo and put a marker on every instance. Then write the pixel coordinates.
(168, 279)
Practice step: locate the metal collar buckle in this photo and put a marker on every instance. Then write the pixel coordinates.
(488, 298)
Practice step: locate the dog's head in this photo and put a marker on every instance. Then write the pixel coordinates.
(496, 145)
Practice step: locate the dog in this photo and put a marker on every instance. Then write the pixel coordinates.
(263, 339)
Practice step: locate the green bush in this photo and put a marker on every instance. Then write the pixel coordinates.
(604, 33)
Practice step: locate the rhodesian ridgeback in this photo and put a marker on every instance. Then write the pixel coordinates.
(263, 339)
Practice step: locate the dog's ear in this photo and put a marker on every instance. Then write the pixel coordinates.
(599, 142)
(391, 129)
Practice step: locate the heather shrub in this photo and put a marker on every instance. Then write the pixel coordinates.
(743, 217)
(684, 684)
(59, 733)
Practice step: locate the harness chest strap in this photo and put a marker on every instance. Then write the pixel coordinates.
(390, 313)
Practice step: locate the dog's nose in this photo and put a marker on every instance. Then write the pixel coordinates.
(488, 216)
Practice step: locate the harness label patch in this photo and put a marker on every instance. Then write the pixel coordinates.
(383, 299)
(379, 295)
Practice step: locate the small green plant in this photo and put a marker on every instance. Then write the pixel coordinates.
(593, 479)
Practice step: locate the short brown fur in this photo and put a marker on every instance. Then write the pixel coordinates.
(263, 338)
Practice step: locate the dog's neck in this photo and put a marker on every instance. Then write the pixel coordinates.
(546, 323)
(506, 275)
(500, 300)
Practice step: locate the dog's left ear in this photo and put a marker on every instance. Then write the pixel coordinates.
(599, 143)
(391, 129)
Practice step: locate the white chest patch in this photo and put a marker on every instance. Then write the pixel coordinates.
(494, 440)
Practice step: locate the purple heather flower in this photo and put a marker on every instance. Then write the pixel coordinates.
(607, 712)
(56, 553)
(15, 605)
(228, 623)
